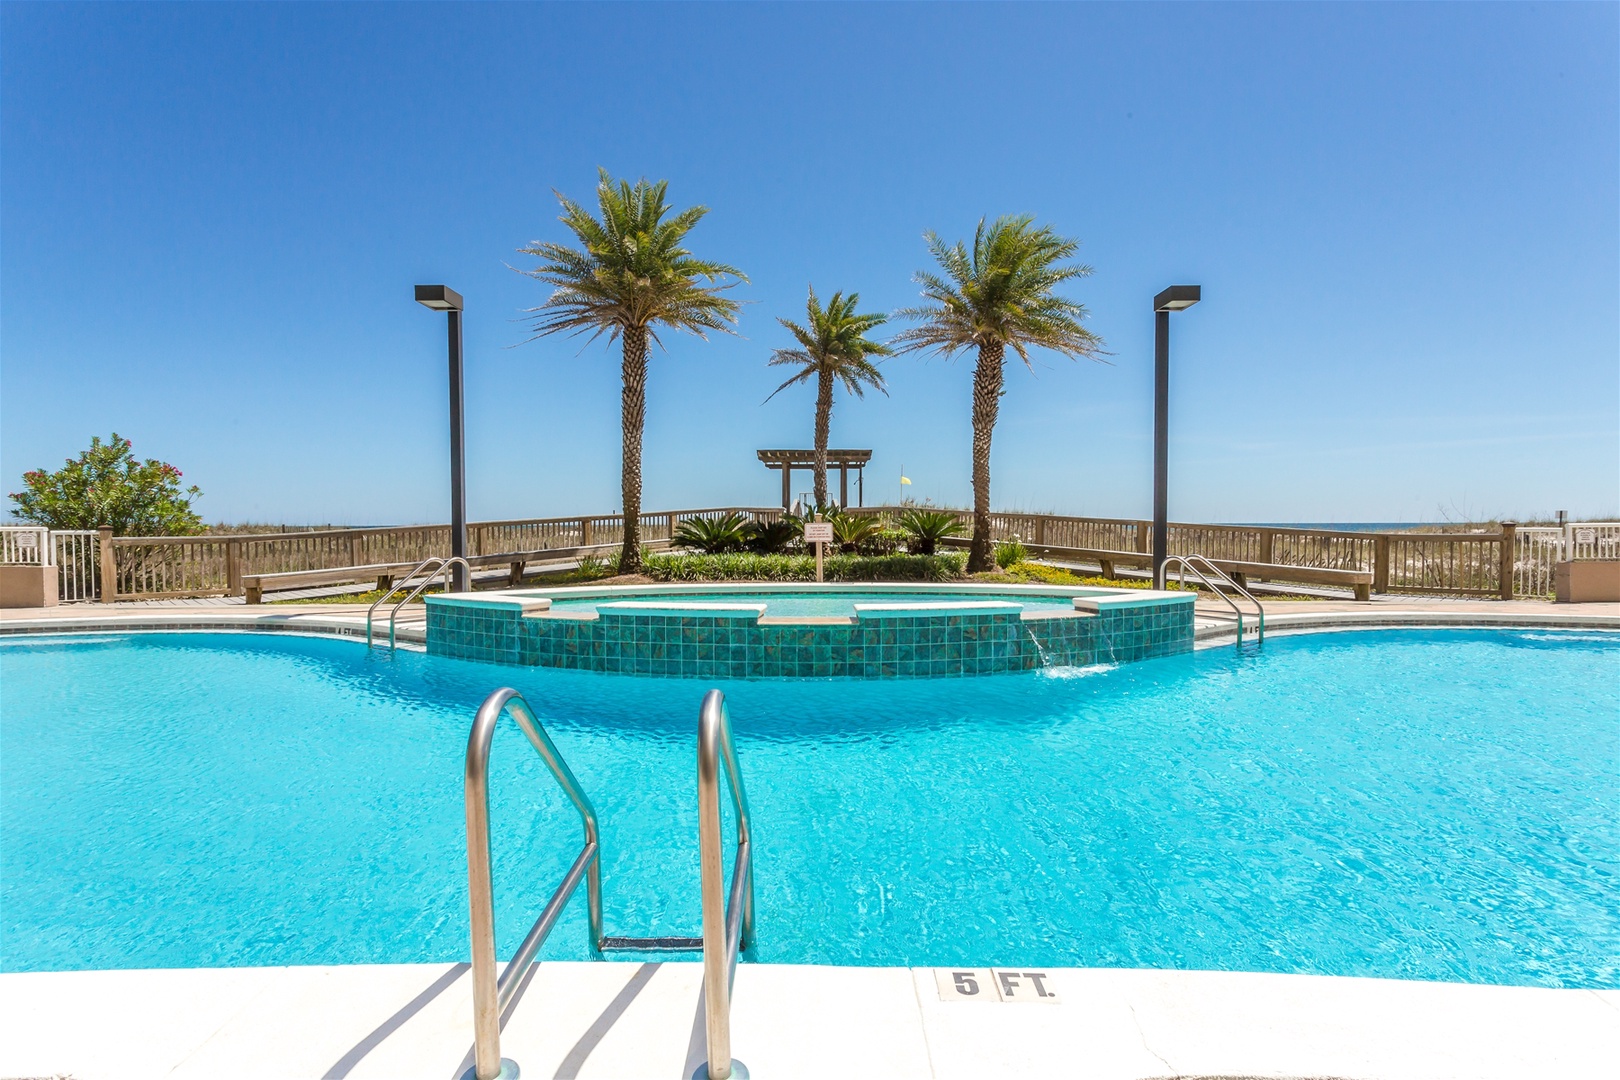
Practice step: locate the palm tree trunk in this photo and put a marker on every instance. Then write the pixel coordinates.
(987, 376)
(824, 391)
(633, 416)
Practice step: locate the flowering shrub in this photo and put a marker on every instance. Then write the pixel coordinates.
(107, 485)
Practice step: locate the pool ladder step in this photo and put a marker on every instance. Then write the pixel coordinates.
(1203, 569)
(651, 944)
(728, 923)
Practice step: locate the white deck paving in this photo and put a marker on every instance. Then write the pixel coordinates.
(635, 1021)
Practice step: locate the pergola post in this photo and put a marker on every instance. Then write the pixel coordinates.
(843, 484)
(787, 486)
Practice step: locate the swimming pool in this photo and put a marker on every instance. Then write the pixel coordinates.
(1418, 804)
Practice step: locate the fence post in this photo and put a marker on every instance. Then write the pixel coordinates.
(1509, 532)
(1265, 545)
(585, 532)
(109, 565)
(233, 567)
(1380, 564)
(1040, 530)
(1144, 534)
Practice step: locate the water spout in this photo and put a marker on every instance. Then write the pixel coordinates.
(1046, 660)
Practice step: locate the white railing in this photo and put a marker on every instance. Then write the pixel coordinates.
(25, 545)
(1537, 549)
(78, 563)
(75, 553)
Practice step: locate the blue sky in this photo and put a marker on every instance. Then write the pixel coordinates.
(1404, 219)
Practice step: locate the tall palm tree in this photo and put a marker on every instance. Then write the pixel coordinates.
(998, 295)
(833, 348)
(631, 277)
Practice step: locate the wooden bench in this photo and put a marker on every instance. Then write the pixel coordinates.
(255, 586)
(1358, 581)
(1107, 558)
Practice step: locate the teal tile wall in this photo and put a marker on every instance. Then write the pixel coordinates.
(698, 646)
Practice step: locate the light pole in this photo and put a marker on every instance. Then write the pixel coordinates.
(1175, 298)
(445, 299)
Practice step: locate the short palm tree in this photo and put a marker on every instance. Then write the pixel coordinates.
(997, 296)
(832, 348)
(631, 276)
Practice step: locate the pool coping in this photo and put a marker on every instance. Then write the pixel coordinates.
(627, 1019)
(1210, 634)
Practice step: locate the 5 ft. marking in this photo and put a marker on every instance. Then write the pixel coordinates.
(995, 984)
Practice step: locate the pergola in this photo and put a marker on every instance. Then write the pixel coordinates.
(843, 460)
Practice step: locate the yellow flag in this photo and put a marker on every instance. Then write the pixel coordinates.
(905, 480)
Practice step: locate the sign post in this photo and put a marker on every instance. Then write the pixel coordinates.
(818, 532)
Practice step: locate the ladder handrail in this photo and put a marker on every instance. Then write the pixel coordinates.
(1187, 563)
(491, 995)
(729, 930)
(393, 613)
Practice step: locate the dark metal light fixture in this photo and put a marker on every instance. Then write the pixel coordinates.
(438, 297)
(445, 299)
(1175, 298)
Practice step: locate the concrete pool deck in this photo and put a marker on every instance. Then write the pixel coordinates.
(640, 1021)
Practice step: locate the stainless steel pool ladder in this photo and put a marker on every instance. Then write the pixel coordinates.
(438, 564)
(1191, 562)
(726, 930)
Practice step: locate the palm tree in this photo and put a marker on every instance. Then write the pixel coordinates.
(631, 277)
(997, 295)
(833, 348)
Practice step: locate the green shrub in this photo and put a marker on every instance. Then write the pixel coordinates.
(773, 537)
(1037, 574)
(712, 535)
(592, 566)
(746, 566)
(924, 529)
(1010, 553)
(851, 533)
(886, 541)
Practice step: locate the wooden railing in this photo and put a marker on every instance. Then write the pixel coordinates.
(1477, 564)
(1444, 564)
(167, 567)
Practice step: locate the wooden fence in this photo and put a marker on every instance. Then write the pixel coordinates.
(1471, 564)
(1444, 564)
(166, 567)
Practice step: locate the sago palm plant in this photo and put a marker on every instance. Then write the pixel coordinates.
(833, 348)
(712, 536)
(997, 296)
(630, 276)
(924, 529)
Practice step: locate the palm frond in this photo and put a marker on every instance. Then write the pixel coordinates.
(1000, 291)
(630, 268)
(833, 339)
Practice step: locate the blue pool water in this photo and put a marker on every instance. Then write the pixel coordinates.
(1435, 805)
(788, 604)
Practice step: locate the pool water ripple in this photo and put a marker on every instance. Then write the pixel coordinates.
(1417, 804)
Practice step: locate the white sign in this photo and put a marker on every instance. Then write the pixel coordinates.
(818, 532)
(1586, 536)
(27, 541)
